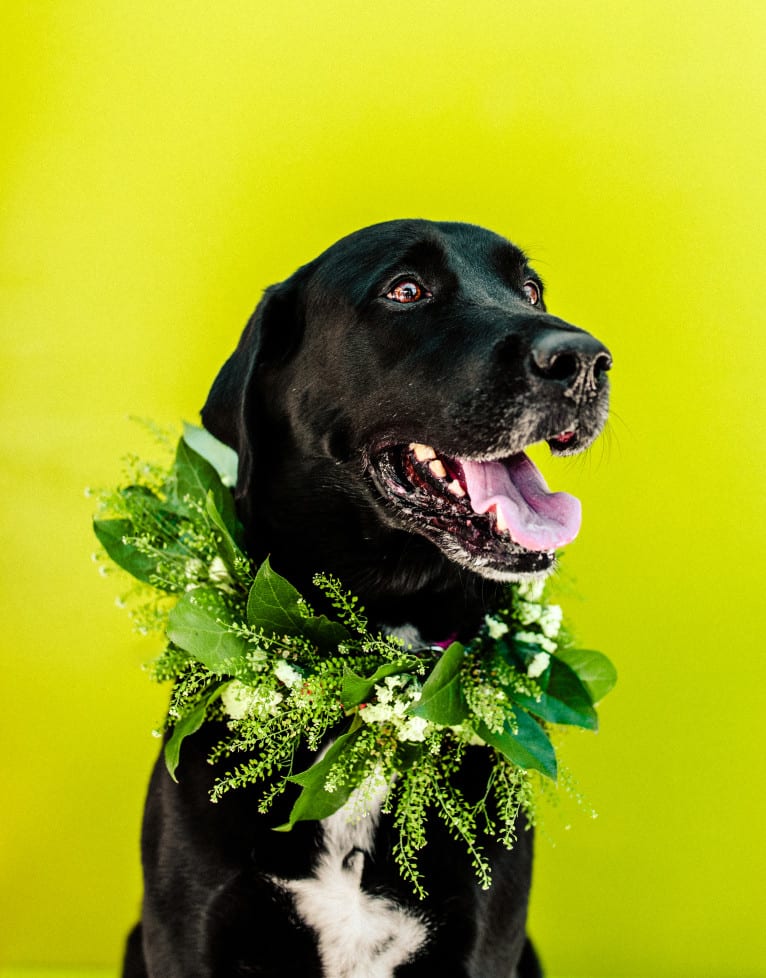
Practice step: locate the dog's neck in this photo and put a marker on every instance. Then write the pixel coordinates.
(319, 516)
(400, 579)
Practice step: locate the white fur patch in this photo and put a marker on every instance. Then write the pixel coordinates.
(359, 935)
(407, 634)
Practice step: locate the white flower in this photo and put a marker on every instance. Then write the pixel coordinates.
(217, 571)
(376, 713)
(401, 706)
(393, 698)
(388, 690)
(413, 729)
(538, 665)
(239, 700)
(257, 658)
(287, 675)
(533, 638)
(495, 628)
(193, 567)
(529, 613)
(550, 620)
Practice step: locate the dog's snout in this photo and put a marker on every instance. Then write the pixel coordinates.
(572, 358)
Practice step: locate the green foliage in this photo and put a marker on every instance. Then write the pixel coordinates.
(193, 479)
(221, 457)
(563, 699)
(187, 725)
(356, 689)
(442, 700)
(523, 741)
(246, 647)
(595, 671)
(200, 624)
(316, 801)
(275, 606)
(114, 536)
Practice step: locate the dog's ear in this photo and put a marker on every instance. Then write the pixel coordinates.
(272, 333)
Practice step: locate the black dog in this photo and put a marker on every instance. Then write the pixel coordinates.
(380, 401)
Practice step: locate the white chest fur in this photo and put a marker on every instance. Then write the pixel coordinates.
(359, 935)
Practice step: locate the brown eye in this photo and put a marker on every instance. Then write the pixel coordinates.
(407, 292)
(532, 292)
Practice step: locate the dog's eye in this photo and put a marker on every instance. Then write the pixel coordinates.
(407, 291)
(532, 292)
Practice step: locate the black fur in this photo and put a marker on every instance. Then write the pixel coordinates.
(330, 373)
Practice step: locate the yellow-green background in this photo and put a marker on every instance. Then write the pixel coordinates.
(163, 162)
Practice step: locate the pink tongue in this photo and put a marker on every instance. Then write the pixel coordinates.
(537, 519)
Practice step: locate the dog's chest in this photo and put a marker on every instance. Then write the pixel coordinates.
(359, 935)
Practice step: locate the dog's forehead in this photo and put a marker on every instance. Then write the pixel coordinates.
(364, 259)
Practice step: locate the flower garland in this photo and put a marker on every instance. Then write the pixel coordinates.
(245, 647)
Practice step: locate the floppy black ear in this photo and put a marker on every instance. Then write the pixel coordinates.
(272, 333)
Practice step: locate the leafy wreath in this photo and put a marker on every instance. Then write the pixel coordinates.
(244, 646)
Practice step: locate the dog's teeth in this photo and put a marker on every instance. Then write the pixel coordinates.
(502, 524)
(423, 453)
(456, 489)
(437, 469)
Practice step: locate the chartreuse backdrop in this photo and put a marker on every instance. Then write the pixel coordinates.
(162, 163)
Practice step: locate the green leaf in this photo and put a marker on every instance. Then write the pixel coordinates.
(565, 686)
(595, 670)
(356, 689)
(187, 725)
(197, 624)
(446, 669)
(195, 477)
(446, 706)
(221, 457)
(442, 700)
(277, 607)
(159, 521)
(528, 747)
(564, 700)
(273, 604)
(314, 802)
(111, 535)
(231, 550)
(324, 632)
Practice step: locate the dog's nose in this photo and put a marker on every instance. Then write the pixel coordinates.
(574, 359)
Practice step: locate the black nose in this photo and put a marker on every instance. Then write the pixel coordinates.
(574, 359)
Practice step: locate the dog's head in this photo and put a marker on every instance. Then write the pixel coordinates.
(383, 396)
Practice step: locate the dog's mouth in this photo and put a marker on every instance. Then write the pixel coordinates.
(496, 516)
